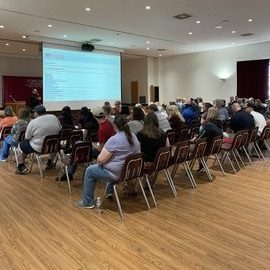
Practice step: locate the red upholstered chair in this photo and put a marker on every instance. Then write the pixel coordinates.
(183, 134)
(131, 171)
(171, 136)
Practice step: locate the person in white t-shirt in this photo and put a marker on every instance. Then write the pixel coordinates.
(258, 117)
(43, 125)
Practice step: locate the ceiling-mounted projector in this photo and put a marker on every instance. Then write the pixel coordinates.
(88, 47)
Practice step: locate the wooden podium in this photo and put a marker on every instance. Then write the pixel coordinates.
(16, 106)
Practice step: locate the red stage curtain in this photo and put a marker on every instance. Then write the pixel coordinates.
(20, 88)
(253, 79)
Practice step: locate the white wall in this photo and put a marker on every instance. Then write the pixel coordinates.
(17, 66)
(134, 70)
(198, 74)
(153, 73)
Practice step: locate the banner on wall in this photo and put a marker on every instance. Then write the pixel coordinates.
(20, 88)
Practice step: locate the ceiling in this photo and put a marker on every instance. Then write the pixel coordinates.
(126, 24)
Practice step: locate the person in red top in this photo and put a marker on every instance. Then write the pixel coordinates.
(9, 118)
(105, 131)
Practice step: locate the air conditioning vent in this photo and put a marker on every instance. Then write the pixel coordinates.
(162, 50)
(246, 34)
(94, 40)
(182, 16)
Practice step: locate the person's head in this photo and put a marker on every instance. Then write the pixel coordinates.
(107, 103)
(120, 122)
(212, 115)
(188, 101)
(172, 110)
(99, 114)
(138, 114)
(24, 113)
(251, 100)
(250, 107)
(107, 109)
(34, 91)
(84, 111)
(66, 112)
(236, 107)
(117, 103)
(152, 108)
(125, 110)
(8, 112)
(39, 110)
(138, 105)
(258, 102)
(219, 103)
(206, 106)
(239, 101)
(151, 126)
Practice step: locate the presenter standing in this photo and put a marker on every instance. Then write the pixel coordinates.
(35, 99)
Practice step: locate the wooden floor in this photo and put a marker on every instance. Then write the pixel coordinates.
(220, 225)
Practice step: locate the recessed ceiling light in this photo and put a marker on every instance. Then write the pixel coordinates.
(233, 32)
(190, 33)
(23, 50)
(87, 9)
(147, 48)
(147, 7)
(148, 42)
(49, 25)
(24, 36)
(250, 20)
(160, 55)
(2, 26)
(65, 36)
(198, 22)
(7, 44)
(218, 27)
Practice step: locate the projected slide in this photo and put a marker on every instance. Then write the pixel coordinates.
(79, 79)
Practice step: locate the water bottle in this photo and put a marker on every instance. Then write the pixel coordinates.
(98, 205)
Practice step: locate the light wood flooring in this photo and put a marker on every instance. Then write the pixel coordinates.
(220, 225)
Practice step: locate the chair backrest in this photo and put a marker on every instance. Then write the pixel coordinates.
(181, 152)
(237, 140)
(162, 158)
(133, 167)
(200, 148)
(195, 129)
(184, 134)
(215, 146)
(245, 137)
(253, 135)
(5, 132)
(170, 136)
(75, 136)
(265, 134)
(51, 144)
(81, 152)
(226, 124)
(65, 134)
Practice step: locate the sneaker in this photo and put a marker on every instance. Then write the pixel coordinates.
(79, 204)
(22, 170)
(3, 160)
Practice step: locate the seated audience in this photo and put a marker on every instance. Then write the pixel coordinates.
(162, 119)
(107, 109)
(189, 112)
(258, 117)
(151, 137)
(87, 121)
(13, 138)
(109, 162)
(175, 118)
(125, 110)
(9, 118)
(240, 119)
(117, 107)
(260, 107)
(43, 125)
(136, 123)
(66, 118)
(206, 106)
(267, 115)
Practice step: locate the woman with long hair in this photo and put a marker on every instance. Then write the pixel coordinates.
(110, 161)
(151, 137)
(66, 118)
(136, 123)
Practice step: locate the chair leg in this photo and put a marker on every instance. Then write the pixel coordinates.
(68, 180)
(266, 145)
(143, 192)
(254, 147)
(241, 160)
(105, 191)
(259, 150)
(230, 161)
(150, 189)
(39, 165)
(175, 168)
(32, 162)
(172, 186)
(190, 176)
(206, 169)
(118, 202)
(219, 163)
(236, 160)
(247, 155)
(60, 174)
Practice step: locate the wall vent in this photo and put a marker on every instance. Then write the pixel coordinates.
(182, 16)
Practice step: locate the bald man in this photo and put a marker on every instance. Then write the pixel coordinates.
(240, 120)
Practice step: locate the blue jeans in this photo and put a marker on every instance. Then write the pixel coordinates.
(8, 142)
(92, 174)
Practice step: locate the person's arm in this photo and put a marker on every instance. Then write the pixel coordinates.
(29, 131)
(104, 156)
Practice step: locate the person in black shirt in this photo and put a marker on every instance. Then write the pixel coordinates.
(66, 118)
(35, 99)
(240, 119)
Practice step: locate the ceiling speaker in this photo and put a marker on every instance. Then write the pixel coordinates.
(88, 47)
